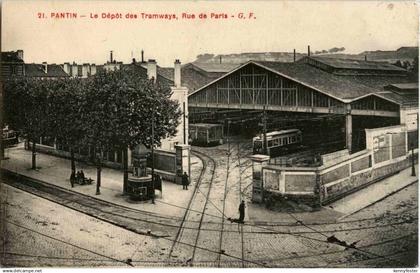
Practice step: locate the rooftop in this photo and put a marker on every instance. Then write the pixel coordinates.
(216, 67)
(10, 57)
(192, 76)
(413, 86)
(342, 87)
(350, 64)
(37, 70)
(333, 85)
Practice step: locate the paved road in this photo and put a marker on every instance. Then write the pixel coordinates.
(383, 235)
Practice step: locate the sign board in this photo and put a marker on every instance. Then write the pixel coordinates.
(411, 121)
(378, 142)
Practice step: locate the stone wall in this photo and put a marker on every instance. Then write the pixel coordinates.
(387, 154)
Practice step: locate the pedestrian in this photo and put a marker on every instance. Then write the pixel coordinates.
(241, 218)
(82, 176)
(72, 178)
(185, 181)
(158, 181)
(78, 177)
(241, 212)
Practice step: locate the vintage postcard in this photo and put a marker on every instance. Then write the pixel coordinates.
(218, 134)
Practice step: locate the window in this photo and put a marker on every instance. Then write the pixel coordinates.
(285, 141)
(293, 139)
(270, 143)
(276, 142)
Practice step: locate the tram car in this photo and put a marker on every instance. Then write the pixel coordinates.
(10, 137)
(278, 142)
(205, 134)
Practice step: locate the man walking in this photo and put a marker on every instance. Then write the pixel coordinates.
(185, 181)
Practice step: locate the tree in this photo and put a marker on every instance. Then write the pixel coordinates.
(67, 106)
(27, 108)
(149, 103)
(118, 109)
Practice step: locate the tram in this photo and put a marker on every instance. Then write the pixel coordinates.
(205, 134)
(278, 142)
(10, 137)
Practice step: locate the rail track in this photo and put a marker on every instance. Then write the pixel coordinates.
(203, 219)
(190, 227)
(139, 221)
(88, 205)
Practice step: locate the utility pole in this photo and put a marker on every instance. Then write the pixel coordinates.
(413, 165)
(153, 157)
(265, 132)
(183, 117)
(228, 125)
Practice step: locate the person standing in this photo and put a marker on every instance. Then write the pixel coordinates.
(241, 212)
(72, 178)
(241, 218)
(185, 181)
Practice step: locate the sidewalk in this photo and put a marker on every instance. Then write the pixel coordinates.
(56, 170)
(374, 193)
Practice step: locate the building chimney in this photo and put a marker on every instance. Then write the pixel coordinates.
(151, 69)
(45, 67)
(309, 50)
(294, 55)
(177, 73)
(20, 54)
(85, 70)
(111, 59)
(74, 70)
(66, 68)
(142, 56)
(92, 69)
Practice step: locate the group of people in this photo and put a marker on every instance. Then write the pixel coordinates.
(78, 177)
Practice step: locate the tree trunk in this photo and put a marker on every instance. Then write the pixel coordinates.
(73, 163)
(98, 173)
(98, 178)
(2, 150)
(33, 155)
(125, 167)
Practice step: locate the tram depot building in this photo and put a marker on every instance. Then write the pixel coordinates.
(359, 116)
(356, 118)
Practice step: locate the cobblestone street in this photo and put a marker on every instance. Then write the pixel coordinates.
(383, 234)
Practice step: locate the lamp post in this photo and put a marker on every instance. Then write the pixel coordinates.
(98, 171)
(153, 157)
(413, 165)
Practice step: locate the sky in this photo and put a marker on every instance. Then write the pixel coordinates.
(274, 26)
